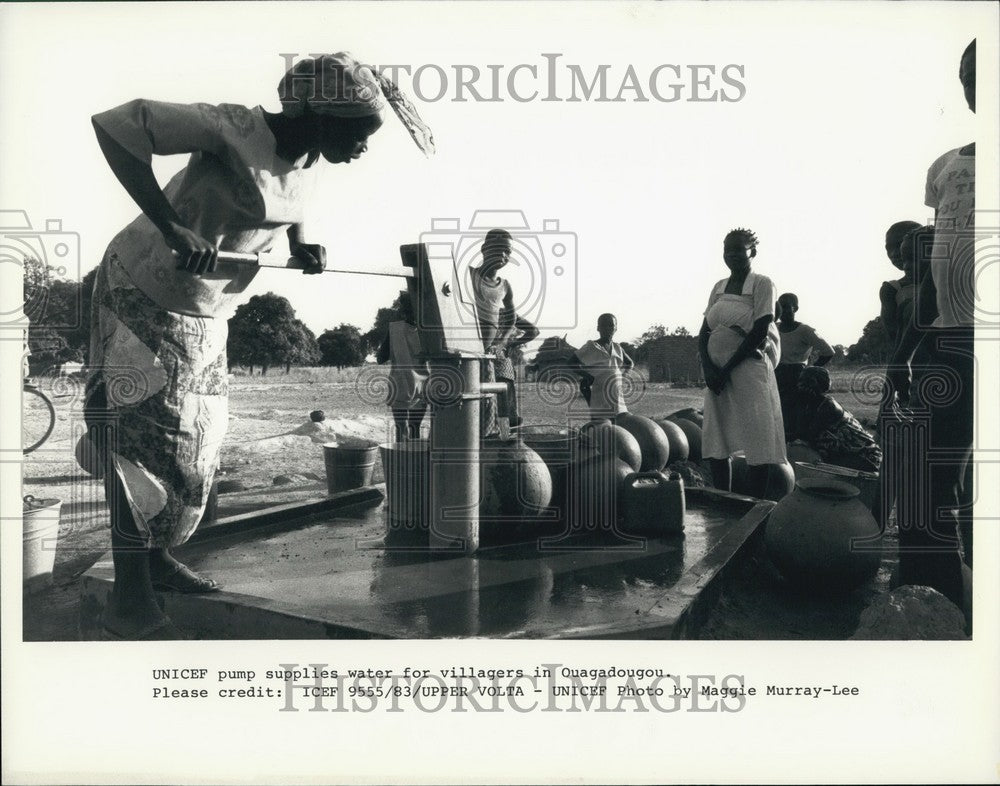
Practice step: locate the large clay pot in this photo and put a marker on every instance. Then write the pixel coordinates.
(516, 487)
(692, 431)
(652, 440)
(558, 447)
(679, 449)
(823, 538)
(867, 483)
(608, 439)
(690, 414)
(780, 481)
(596, 486)
(797, 452)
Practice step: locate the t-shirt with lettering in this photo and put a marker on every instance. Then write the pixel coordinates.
(951, 191)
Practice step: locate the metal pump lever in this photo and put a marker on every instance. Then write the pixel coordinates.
(273, 259)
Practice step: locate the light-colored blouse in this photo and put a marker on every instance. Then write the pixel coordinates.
(798, 344)
(235, 192)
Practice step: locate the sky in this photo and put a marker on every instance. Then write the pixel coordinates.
(843, 108)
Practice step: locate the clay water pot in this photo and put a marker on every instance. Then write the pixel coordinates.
(596, 486)
(679, 448)
(610, 440)
(690, 414)
(652, 441)
(822, 538)
(692, 431)
(780, 481)
(796, 453)
(558, 447)
(516, 487)
(865, 482)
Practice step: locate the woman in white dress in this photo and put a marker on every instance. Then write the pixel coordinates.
(739, 347)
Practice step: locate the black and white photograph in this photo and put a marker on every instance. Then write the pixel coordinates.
(394, 377)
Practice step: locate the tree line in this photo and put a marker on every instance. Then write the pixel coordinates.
(264, 332)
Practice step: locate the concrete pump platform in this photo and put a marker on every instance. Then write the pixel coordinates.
(324, 569)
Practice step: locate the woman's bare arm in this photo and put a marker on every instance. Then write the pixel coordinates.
(194, 253)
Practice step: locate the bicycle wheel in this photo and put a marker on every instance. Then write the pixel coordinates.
(38, 418)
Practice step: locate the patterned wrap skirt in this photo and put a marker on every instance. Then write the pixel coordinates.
(158, 393)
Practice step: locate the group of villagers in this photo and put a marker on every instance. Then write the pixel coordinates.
(157, 397)
(760, 390)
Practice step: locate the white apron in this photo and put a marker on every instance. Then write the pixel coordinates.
(747, 414)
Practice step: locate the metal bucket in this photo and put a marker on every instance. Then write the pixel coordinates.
(867, 483)
(349, 464)
(41, 533)
(407, 470)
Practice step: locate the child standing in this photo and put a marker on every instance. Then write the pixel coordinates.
(600, 363)
(896, 296)
(929, 545)
(500, 327)
(407, 374)
(798, 342)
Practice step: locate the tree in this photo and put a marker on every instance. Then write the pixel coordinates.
(874, 346)
(48, 348)
(58, 313)
(79, 337)
(304, 349)
(373, 338)
(261, 333)
(644, 342)
(839, 355)
(342, 346)
(681, 331)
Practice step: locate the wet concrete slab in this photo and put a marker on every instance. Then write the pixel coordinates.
(325, 569)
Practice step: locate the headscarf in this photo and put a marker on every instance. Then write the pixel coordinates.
(340, 86)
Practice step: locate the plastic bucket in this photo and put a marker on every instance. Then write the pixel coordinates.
(41, 532)
(407, 469)
(349, 464)
(867, 483)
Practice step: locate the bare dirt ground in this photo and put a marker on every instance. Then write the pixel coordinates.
(271, 435)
